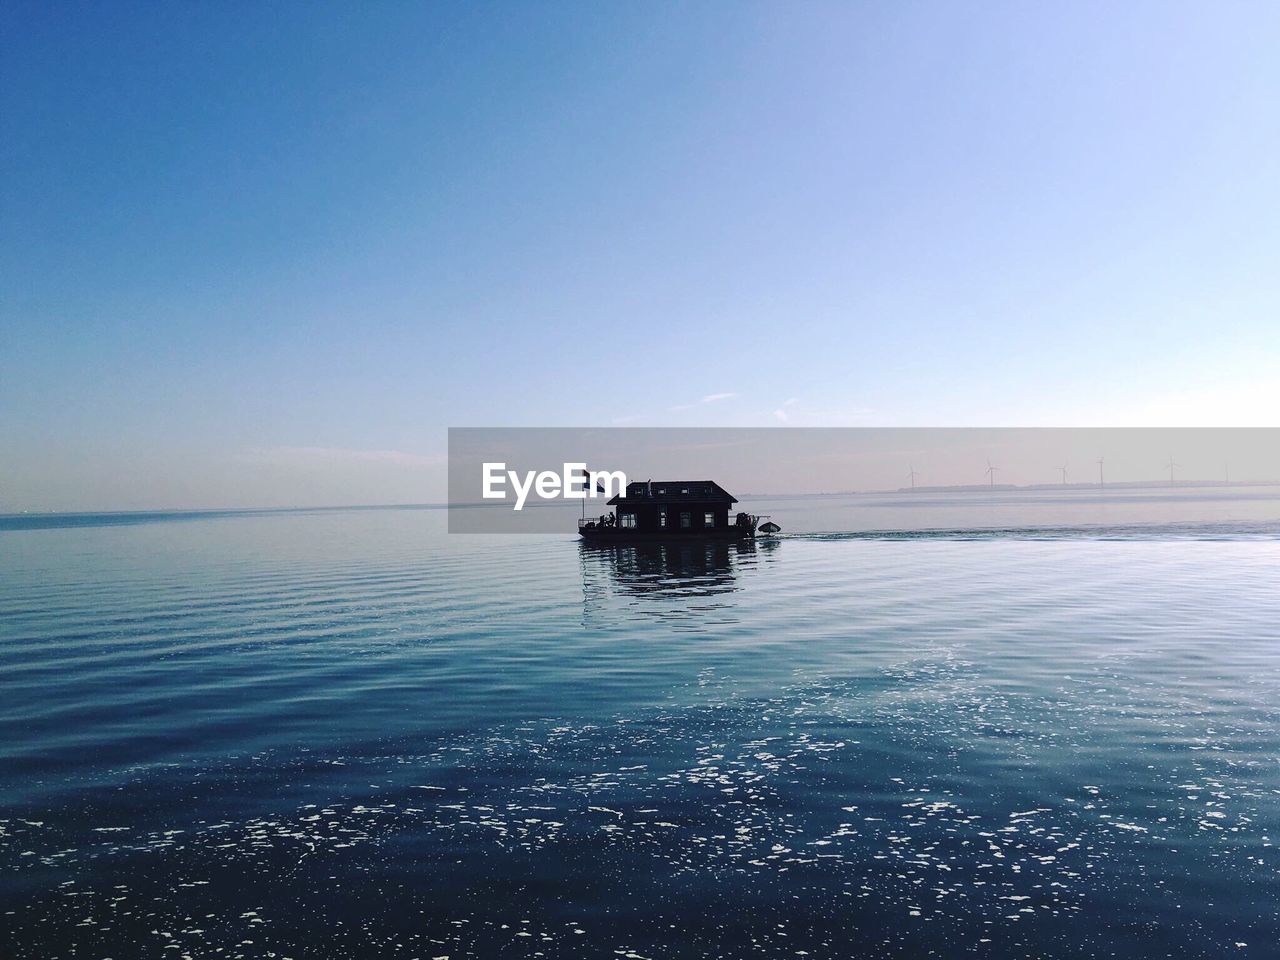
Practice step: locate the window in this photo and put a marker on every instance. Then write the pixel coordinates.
(686, 521)
(708, 519)
(662, 517)
(628, 520)
(684, 489)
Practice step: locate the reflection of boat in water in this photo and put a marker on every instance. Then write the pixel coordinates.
(670, 510)
(690, 582)
(669, 568)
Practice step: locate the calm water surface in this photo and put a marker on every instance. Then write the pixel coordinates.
(339, 734)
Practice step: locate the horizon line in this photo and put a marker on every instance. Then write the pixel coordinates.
(445, 504)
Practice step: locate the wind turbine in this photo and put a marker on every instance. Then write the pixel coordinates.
(1171, 465)
(991, 473)
(1100, 472)
(911, 470)
(1063, 468)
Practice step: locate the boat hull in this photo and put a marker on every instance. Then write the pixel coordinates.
(619, 535)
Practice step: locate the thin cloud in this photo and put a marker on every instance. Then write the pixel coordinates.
(345, 455)
(781, 412)
(709, 398)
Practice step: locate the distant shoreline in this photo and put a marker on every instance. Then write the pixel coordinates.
(126, 516)
(1010, 487)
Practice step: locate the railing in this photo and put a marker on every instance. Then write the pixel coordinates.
(590, 523)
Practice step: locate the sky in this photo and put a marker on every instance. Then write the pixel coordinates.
(265, 255)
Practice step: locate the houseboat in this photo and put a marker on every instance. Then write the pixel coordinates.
(670, 510)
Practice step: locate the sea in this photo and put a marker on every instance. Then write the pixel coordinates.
(983, 724)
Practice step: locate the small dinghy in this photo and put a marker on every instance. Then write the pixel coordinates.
(770, 528)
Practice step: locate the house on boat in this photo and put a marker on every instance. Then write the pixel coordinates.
(670, 508)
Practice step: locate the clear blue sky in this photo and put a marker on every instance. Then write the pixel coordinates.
(268, 253)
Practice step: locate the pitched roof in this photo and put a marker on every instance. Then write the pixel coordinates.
(666, 491)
